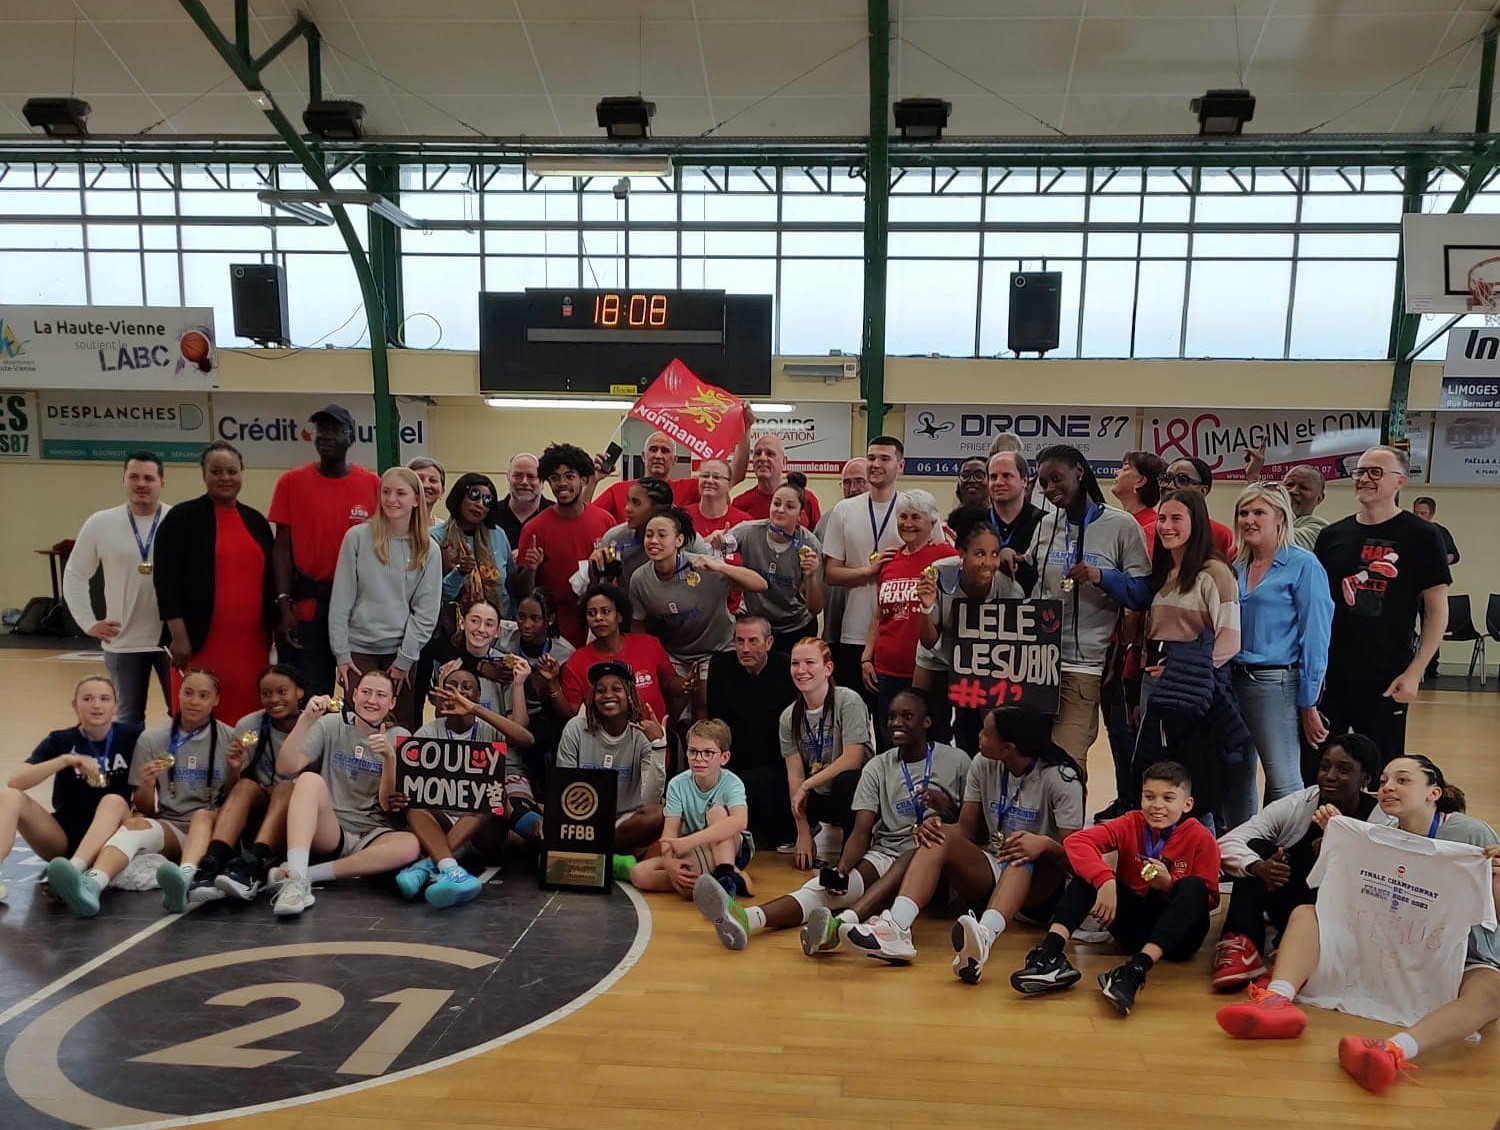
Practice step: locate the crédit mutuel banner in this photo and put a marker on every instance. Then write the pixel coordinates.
(142, 348)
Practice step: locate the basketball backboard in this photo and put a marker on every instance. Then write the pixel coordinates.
(1451, 263)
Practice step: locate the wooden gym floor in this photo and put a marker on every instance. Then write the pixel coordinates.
(691, 1035)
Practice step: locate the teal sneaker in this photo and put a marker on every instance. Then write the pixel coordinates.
(719, 907)
(79, 893)
(174, 882)
(453, 886)
(410, 880)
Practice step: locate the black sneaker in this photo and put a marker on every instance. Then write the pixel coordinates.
(1043, 974)
(1109, 813)
(1120, 985)
(240, 878)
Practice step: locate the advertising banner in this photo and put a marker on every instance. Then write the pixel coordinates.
(93, 424)
(272, 429)
(1329, 439)
(1466, 449)
(136, 347)
(1471, 370)
(18, 439)
(939, 437)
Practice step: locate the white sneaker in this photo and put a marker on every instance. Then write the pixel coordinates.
(294, 897)
(4, 890)
(883, 940)
(277, 878)
(971, 948)
(1091, 932)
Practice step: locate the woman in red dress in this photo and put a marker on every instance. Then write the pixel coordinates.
(214, 585)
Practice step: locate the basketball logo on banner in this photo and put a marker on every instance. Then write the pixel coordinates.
(580, 801)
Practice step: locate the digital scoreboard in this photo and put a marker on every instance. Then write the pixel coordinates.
(598, 340)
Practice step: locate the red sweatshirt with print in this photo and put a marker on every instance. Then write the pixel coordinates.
(1190, 850)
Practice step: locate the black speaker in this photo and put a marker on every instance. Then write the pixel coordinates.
(258, 291)
(1035, 310)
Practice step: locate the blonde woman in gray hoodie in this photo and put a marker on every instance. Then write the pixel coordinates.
(387, 591)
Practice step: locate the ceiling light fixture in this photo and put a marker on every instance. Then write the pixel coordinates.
(385, 209)
(335, 120)
(625, 119)
(564, 166)
(58, 117)
(1223, 113)
(921, 119)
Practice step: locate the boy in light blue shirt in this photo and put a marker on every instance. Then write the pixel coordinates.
(704, 830)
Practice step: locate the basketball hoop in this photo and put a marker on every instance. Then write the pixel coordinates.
(1484, 286)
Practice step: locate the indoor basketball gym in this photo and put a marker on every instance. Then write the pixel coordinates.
(1260, 234)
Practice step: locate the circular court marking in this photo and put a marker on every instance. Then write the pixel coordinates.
(247, 1007)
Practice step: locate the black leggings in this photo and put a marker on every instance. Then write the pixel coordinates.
(836, 806)
(1177, 921)
(1250, 904)
(768, 802)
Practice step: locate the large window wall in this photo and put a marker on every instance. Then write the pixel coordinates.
(1252, 263)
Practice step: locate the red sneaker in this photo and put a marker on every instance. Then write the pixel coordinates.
(1236, 963)
(1375, 1064)
(1265, 1016)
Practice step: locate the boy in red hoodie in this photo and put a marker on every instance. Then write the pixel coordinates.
(1156, 901)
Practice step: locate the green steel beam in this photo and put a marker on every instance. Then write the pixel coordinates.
(1404, 326)
(386, 421)
(385, 248)
(293, 33)
(1486, 79)
(1250, 151)
(314, 63)
(242, 27)
(877, 219)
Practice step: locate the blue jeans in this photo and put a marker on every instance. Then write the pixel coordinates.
(1268, 702)
(131, 672)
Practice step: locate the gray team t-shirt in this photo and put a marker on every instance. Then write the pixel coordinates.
(819, 743)
(260, 760)
(1045, 800)
(692, 621)
(883, 790)
(641, 769)
(784, 603)
(852, 525)
(352, 773)
(1457, 828)
(196, 779)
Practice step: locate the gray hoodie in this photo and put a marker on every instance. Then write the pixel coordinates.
(1113, 541)
(380, 609)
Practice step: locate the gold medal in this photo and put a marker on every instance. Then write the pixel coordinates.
(807, 553)
(144, 568)
(875, 558)
(1149, 871)
(166, 761)
(1067, 584)
(94, 775)
(335, 704)
(248, 740)
(692, 579)
(930, 574)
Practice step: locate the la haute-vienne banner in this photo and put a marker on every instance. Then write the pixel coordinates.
(140, 348)
(703, 418)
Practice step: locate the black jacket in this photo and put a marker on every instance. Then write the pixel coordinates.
(184, 565)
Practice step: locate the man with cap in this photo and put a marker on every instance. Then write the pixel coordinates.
(660, 457)
(313, 507)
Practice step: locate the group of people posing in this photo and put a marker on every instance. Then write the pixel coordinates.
(652, 626)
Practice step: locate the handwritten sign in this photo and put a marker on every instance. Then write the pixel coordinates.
(1006, 653)
(451, 775)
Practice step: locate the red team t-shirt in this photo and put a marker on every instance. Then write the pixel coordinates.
(684, 493)
(900, 611)
(319, 511)
(646, 657)
(757, 504)
(565, 541)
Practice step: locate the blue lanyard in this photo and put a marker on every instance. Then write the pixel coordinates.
(886, 521)
(1011, 803)
(1088, 516)
(144, 546)
(521, 647)
(1153, 846)
(1432, 830)
(911, 788)
(176, 740)
(1002, 531)
(104, 760)
(817, 750)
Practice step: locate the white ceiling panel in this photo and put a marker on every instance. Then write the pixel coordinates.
(778, 67)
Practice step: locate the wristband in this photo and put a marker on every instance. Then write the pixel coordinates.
(926, 609)
(871, 662)
(660, 743)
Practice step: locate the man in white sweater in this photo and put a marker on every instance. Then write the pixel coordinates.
(121, 539)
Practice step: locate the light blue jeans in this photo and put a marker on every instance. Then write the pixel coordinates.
(1268, 702)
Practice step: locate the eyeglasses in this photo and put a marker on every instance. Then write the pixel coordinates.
(479, 494)
(712, 475)
(971, 476)
(1178, 480)
(702, 754)
(1374, 474)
